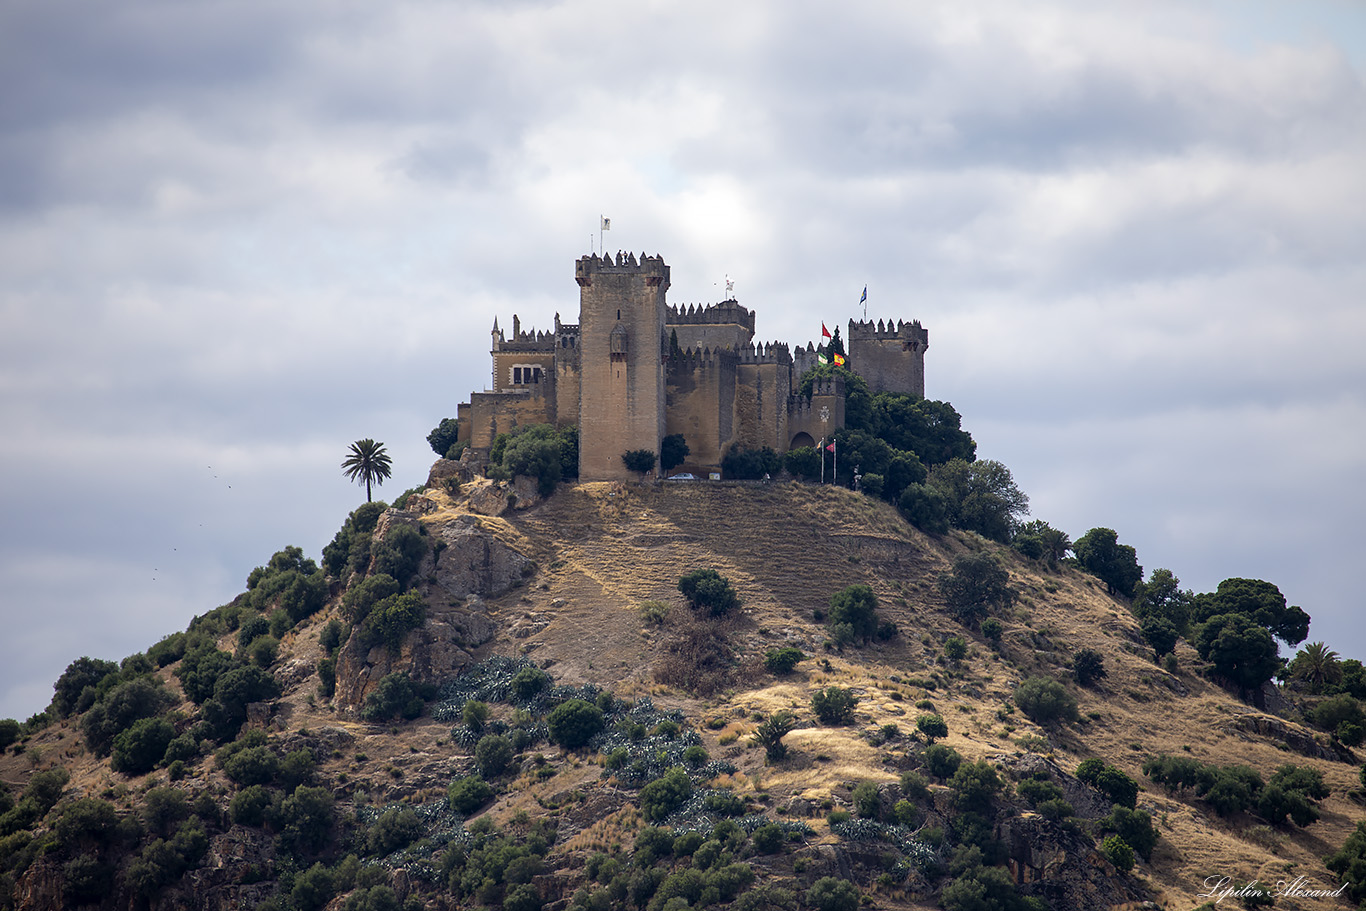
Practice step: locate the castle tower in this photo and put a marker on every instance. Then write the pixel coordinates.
(621, 361)
(889, 356)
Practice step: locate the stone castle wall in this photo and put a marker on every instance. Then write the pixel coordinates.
(621, 364)
(618, 375)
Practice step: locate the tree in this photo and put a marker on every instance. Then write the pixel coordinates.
(1260, 601)
(138, 749)
(1241, 650)
(980, 496)
(1161, 597)
(1088, 666)
(641, 461)
(740, 463)
(853, 614)
(770, 734)
(977, 584)
(783, 660)
(1045, 700)
(1038, 540)
(79, 674)
(1115, 564)
(706, 588)
(540, 451)
(1317, 665)
(834, 705)
(574, 722)
(661, 797)
(492, 754)
(443, 436)
(673, 451)
(367, 462)
(932, 727)
(830, 893)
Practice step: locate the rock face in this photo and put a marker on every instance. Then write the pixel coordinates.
(465, 564)
(473, 562)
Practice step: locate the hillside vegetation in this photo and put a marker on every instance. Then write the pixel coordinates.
(473, 705)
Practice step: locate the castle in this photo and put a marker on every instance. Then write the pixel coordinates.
(635, 369)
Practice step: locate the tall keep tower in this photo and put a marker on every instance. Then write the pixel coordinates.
(621, 360)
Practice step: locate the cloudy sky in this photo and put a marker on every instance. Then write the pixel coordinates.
(236, 236)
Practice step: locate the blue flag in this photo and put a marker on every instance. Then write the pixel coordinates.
(864, 299)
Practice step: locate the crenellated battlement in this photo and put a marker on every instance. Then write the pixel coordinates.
(726, 313)
(880, 331)
(634, 368)
(654, 269)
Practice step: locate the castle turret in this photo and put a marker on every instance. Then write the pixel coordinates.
(621, 361)
(890, 357)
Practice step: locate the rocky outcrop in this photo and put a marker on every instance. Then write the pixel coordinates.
(468, 560)
(1292, 735)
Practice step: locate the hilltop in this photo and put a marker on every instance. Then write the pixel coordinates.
(583, 586)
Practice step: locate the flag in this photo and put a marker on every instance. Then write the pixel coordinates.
(830, 448)
(825, 333)
(839, 359)
(821, 358)
(606, 224)
(864, 299)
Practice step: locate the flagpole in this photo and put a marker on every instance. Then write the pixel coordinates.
(821, 449)
(835, 471)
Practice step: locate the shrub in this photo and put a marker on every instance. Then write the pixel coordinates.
(853, 614)
(661, 797)
(574, 722)
(1045, 701)
(707, 589)
(673, 451)
(769, 838)
(832, 894)
(640, 461)
(444, 436)
(529, 681)
(654, 612)
(253, 765)
(941, 761)
(977, 585)
(1118, 852)
(770, 734)
(138, 749)
(867, 803)
(975, 785)
(932, 727)
(400, 553)
(394, 696)
(9, 732)
(834, 705)
(250, 805)
(492, 754)
(992, 630)
(469, 794)
(914, 786)
(391, 619)
(142, 697)
(1110, 781)
(307, 819)
(750, 464)
(784, 660)
(955, 648)
(86, 823)
(1088, 666)
(395, 830)
(1135, 827)
(163, 809)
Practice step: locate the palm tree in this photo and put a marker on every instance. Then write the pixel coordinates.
(367, 461)
(1317, 664)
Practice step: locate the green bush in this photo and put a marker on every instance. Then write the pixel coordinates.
(1088, 666)
(493, 754)
(391, 619)
(977, 585)
(443, 436)
(121, 706)
(955, 648)
(400, 553)
(707, 589)
(529, 681)
(932, 727)
(662, 796)
(867, 803)
(1135, 827)
(1045, 701)
(250, 806)
(469, 794)
(832, 894)
(395, 696)
(853, 614)
(1118, 852)
(784, 660)
(769, 838)
(253, 765)
(396, 829)
(834, 705)
(9, 733)
(640, 461)
(744, 464)
(86, 823)
(941, 761)
(1110, 781)
(137, 750)
(975, 785)
(574, 722)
